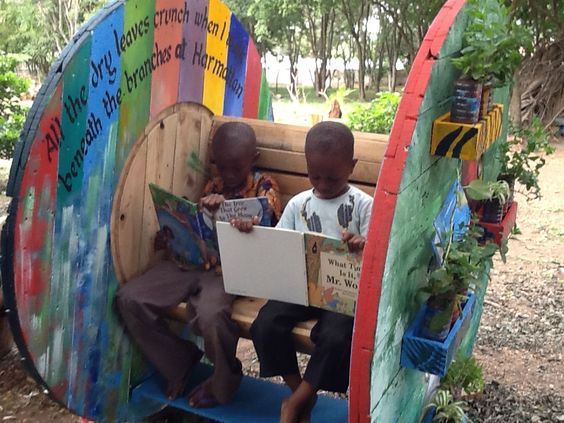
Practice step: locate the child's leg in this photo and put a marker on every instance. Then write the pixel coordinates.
(272, 337)
(209, 313)
(143, 302)
(328, 367)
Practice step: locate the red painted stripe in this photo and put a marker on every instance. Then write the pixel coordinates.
(252, 82)
(34, 227)
(167, 37)
(385, 199)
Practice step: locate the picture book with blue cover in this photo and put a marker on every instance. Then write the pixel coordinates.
(191, 234)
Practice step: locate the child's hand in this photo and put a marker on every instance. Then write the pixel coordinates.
(244, 225)
(212, 202)
(354, 241)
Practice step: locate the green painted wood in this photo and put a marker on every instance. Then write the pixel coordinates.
(397, 394)
(135, 82)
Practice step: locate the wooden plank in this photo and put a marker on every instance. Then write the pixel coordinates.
(245, 311)
(368, 147)
(293, 184)
(126, 216)
(161, 143)
(193, 125)
(287, 161)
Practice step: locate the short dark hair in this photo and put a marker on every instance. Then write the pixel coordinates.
(233, 135)
(328, 137)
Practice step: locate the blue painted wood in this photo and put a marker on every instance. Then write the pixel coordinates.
(428, 418)
(432, 356)
(237, 65)
(256, 401)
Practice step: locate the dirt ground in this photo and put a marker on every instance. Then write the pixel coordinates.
(520, 343)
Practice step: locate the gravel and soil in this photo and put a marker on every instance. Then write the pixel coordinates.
(520, 343)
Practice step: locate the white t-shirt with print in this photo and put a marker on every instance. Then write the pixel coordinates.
(306, 212)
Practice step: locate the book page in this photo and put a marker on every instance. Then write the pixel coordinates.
(265, 263)
(333, 274)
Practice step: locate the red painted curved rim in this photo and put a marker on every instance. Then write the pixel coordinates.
(385, 199)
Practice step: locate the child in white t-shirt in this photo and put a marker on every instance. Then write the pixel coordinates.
(334, 208)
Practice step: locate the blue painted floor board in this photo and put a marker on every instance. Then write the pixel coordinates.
(256, 401)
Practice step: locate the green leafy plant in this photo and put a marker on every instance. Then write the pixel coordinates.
(492, 43)
(522, 156)
(464, 376)
(378, 117)
(465, 261)
(481, 190)
(12, 112)
(447, 410)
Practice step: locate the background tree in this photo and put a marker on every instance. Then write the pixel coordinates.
(357, 14)
(12, 112)
(539, 84)
(41, 28)
(320, 31)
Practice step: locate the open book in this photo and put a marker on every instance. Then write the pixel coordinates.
(190, 233)
(291, 266)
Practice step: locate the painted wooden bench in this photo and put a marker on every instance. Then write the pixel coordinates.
(281, 150)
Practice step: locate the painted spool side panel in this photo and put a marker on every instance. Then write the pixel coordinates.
(397, 393)
(63, 277)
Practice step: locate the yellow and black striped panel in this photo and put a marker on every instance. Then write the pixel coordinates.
(465, 141)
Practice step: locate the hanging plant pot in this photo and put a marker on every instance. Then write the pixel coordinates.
(500, 231)
(510, 179)
(433, 356)
(486, 103)
(466, 101)
(438, 317)
(493, 211)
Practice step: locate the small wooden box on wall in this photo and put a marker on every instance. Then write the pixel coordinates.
(466, 141)
(431, 356)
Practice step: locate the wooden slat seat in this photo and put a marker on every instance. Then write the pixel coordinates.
(245, 311)
(282, 155)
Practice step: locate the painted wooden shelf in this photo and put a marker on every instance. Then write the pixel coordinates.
(466, 141)
(500, 231)
(432, 356)
(256, 401)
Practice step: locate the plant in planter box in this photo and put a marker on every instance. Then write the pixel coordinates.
(522, 157)
(490, 57)
(447, 410)
(464, 377)
(493, 196)
(464, 263)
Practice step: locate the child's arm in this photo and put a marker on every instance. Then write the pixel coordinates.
(354, 241)
(212, 202)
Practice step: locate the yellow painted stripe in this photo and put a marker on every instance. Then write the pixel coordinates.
(219, 20)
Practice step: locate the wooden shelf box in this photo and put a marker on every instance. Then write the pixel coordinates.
(463, 140)
(432, 356)
(500, 231)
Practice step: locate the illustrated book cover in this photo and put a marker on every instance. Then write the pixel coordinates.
(190, 233)
(290, 266)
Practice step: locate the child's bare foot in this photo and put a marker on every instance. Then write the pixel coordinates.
(175, 389)
(202, 396)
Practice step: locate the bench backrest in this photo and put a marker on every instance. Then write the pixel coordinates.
(282, 155)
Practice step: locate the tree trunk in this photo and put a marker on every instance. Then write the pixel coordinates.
(515, 103)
